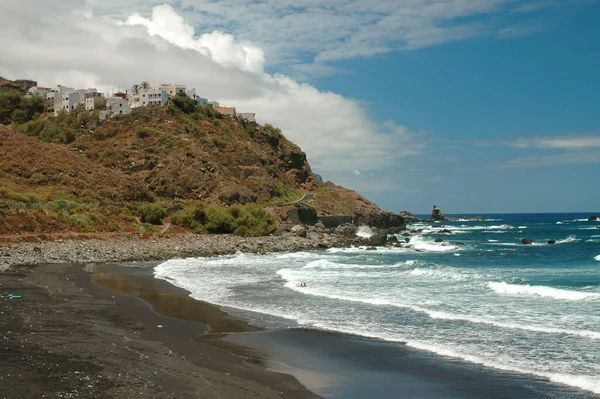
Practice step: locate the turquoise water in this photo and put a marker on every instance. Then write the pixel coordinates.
(479, 296)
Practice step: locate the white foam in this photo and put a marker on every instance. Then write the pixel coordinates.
(586, 382)
(522, 227)
(542, 291)
(364, 232)
(559, 223)
(512, 326)
(418, 243)
(597, 258)
(325, 264)
(567, 240)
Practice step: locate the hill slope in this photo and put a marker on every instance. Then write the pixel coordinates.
(77, 174)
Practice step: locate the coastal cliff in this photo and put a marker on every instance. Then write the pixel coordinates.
(177, 168)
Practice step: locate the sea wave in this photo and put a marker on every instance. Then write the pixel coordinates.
(542, 291)
(586, 382)
(364, 232)
(419, 244)
(568, 240)
(327, 265)
(512, 326)
(597, 258)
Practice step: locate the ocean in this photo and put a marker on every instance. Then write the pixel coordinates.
(480, 297)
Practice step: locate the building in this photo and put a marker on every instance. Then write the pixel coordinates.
(67, 101)
(39, 91)
(201, 101)
(149, 97)
(249, 117)
(213, 104)
(229, 111)
(91, 98)
(117, 106)
(172, 89)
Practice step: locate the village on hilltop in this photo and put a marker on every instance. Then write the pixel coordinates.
(62, 98)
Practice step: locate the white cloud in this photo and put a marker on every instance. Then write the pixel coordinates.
(296, 32)
(568, 158)
(565, 143)
(219, 46)
(84, 49)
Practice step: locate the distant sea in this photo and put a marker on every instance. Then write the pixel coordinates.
(479, 297)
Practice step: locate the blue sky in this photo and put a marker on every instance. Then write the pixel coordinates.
(474, 105)
(469, 96)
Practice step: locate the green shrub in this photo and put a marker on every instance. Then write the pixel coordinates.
(32, 128)
(248, 221)
(152, 213)
(81, 220)
(185, 104)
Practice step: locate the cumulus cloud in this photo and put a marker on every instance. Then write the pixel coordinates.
(80, 48)
(219, 46)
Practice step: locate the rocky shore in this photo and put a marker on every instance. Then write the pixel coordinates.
(136, 248)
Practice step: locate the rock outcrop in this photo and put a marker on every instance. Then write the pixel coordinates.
(527, 241)
(437, 215)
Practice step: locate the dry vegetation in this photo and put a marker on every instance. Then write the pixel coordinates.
(73, 173)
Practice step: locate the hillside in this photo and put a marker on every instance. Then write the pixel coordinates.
(73, 173)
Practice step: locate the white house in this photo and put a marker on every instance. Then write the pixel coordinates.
(66, 101)
(39, 91)
(91, 98)
(117, 106)
(149, 97)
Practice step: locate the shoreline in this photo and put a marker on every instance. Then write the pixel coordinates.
(133, 248)
(70, 337)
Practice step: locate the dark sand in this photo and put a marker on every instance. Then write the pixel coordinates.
(67, 337)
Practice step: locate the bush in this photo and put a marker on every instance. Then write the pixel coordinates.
(19, 109)
(185, 104)
(152, 213)
(81, 220)
(142, 132)
(247, 221)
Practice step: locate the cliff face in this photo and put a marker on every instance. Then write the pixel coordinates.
(155, 155)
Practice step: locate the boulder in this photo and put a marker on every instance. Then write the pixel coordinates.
(407, 240)
(320, 226)
(379, 219)
(393, 240)
(372, 249)
(526, 241)
(409, 217)
(439, 240)
(348, 229)
(551, 242)
(300, 231)
(594, 218)
(379, 237)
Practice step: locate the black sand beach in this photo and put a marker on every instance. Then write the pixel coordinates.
(67, 337)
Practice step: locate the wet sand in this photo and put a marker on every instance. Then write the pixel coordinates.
(69, 337)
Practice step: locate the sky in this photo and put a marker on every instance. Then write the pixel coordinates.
(477, 106)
